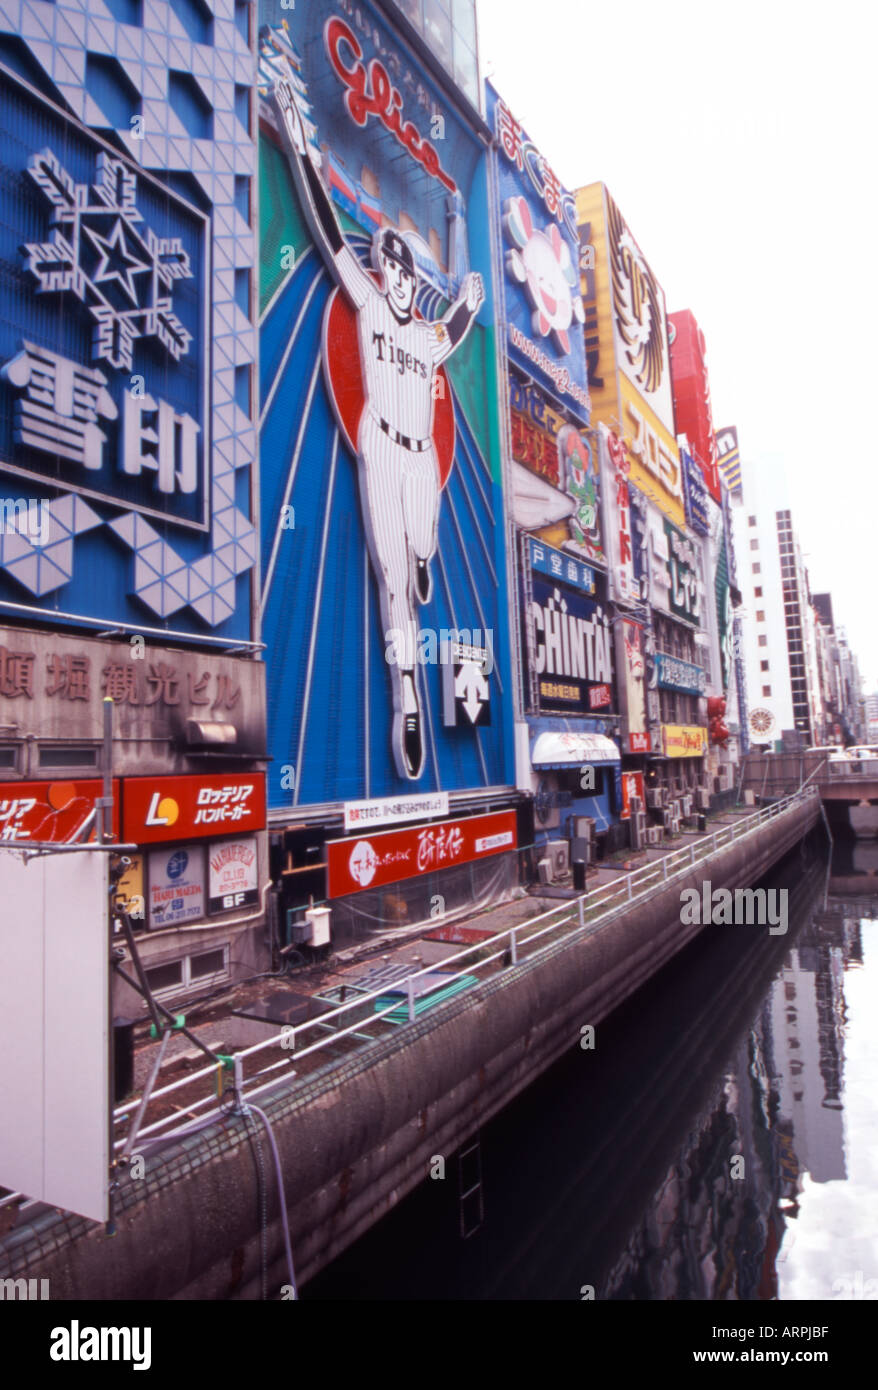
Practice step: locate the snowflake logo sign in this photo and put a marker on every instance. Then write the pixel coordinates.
(100, 250)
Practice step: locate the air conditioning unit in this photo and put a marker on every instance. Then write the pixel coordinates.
(675, 825)
(655, 798)
(702, 799)
(654, 835)
(636, 805)
(667, 817)
(685, 807)
(556, 863)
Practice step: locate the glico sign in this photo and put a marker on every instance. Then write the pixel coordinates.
(395, 530)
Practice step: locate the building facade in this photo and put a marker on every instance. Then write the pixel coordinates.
(128, 469)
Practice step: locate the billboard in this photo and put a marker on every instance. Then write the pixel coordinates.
(123, 497)
(381, 490)
(692, 393)
(180, 808)
(394, 855)
(52, 811)
(54, 1007)
(684, 741)
(627, 349)
(569, 637)
(176, 886)
(684, 590)
(695, 493)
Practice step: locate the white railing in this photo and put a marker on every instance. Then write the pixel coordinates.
(584, 915)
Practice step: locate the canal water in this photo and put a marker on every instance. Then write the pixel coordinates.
(720, 1141)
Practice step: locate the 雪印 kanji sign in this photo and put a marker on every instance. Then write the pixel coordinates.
(185, 808)
(376, 860)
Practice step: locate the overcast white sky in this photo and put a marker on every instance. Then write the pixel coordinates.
(739, 143)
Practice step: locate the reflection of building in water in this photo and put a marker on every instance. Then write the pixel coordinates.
(777, 1106)
(806, 1009)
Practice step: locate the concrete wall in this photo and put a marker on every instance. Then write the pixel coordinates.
(355, 1139)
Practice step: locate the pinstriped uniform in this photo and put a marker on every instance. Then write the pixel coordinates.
(399, 475)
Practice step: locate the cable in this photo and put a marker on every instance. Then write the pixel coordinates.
(283, 1200)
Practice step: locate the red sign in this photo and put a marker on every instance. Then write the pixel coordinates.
(639, 743)
(358, 862)
(185, 808)
(692, 410)
(632, 785)
(50, 810)
(599, 697)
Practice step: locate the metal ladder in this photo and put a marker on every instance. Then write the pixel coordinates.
(471, 1200)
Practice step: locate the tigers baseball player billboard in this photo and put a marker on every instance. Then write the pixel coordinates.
(382, 513)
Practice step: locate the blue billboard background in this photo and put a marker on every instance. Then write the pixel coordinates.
(330, 714)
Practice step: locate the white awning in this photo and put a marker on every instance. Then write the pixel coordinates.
(561, 750)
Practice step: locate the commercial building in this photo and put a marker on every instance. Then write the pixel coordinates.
(567, 716)
(658, 578)
(128, 464)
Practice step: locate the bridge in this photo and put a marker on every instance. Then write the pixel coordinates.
(847, 789)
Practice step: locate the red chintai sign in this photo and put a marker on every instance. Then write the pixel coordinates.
(185, 808)
(357, 863)
(692, 410)
(50, 810)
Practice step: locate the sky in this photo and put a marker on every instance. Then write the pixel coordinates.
(739, 143)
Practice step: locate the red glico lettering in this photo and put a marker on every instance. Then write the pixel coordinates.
(373, 94)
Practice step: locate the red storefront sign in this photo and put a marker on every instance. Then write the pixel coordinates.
(185, 808)
(632, 785)
(639, 743)
(51, 811)
(360, 862)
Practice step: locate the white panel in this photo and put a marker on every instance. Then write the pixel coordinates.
(54, 1028)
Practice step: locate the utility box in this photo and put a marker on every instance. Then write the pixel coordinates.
(318, 917)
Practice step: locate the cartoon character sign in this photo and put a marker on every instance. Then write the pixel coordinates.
(579, 471)
(542, 263)
(385, 385)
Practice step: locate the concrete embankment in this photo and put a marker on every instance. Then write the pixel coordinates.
(355, 1137)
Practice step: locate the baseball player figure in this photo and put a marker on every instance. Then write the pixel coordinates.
(398, 466)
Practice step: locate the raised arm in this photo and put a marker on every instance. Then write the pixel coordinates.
(451, 329)
(315, 197)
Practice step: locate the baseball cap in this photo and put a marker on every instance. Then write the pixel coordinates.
(394, 245)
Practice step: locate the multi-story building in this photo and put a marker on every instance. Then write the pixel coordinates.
(128, 477)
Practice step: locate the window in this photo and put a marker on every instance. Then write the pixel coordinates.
(757, 568)
(763, 640)
(760, 615)
(763, 665)
(195, 971)
(9, 758)
(766, 690)
(757, 592)
(751, 521)
(68, 757)
(754, 543)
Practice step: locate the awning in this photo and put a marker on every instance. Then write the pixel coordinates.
(562, 750)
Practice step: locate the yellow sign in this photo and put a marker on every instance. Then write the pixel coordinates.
(627, 350)
(684, 741)
(129, 889)
(655, 458)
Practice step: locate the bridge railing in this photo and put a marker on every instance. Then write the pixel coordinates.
(318, 1037)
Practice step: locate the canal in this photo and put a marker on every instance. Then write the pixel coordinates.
(718, 1141)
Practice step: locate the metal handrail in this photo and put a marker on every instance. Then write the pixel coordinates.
(508, 942)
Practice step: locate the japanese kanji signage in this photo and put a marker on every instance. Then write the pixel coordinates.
(355, 864)
(571, 647)
(181, 808)
(113, 404)
(684, 597)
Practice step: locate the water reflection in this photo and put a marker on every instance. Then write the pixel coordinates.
(720, 1143)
